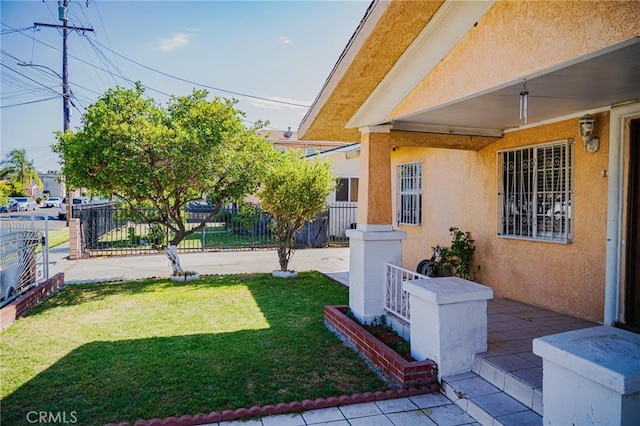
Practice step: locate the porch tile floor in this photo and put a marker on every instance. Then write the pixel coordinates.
(504, 388)
(505, 385)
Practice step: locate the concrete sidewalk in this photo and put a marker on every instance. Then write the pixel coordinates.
(331, 261)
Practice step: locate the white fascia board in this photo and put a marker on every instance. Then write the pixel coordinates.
(450, 23)
(358, 39)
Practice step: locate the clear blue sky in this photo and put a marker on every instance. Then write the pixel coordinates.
(281, 50)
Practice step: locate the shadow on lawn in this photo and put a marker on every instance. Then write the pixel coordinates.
(112, 381)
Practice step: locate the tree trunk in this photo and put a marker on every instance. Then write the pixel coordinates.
(283, 255)
(172, 254)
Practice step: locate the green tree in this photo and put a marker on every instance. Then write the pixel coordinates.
(165, 157)
(294, 191)
(5, 192)
(16, 168)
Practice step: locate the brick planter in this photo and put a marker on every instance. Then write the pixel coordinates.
(387, 361)
(20, 306)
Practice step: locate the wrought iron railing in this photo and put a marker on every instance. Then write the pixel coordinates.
(110, 229)
(396, 300)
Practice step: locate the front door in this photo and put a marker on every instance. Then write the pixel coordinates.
(632, 287)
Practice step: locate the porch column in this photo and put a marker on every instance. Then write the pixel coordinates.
(374, 242)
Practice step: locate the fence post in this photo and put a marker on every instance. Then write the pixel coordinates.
(75, 239)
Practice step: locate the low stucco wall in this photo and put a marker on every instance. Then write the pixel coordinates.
(460, 189)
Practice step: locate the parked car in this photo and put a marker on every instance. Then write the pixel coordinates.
(62, 210)
(52, 202)
(10, 206)
(200, 206)
(25, 203)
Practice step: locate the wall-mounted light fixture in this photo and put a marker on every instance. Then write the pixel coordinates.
(587, 125)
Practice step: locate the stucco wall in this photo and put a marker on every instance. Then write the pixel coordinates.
(519, 34)
(459, 189)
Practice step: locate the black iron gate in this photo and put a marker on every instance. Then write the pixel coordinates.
(111, 229)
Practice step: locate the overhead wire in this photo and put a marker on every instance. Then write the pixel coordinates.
(130, 81)
(201, 84)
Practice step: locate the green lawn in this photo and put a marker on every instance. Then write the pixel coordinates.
(153, 348)
(58, 237)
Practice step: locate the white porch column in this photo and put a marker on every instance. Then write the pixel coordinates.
(373, 242)
(590, 377)
(370, 247)
(448, 322)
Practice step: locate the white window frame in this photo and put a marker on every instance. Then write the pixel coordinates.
(535, 186)
(351, 188)
(409, 194)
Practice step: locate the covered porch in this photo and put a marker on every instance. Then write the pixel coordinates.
(506, 381)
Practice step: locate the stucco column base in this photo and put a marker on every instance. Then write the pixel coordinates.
(370, 248)
(590, 376)
(448, 322)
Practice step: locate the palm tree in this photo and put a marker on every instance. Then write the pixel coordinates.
(18, 169)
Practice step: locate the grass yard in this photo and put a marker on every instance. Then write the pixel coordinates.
(58, 237)
(153, 348)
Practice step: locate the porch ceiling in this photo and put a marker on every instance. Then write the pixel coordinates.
(608, 77)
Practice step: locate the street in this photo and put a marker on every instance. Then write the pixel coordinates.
(38, 216)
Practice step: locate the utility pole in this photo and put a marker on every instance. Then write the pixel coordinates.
(66, 94)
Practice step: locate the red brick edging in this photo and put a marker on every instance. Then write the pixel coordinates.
(405, 373)
(23, 304)
(283, 408)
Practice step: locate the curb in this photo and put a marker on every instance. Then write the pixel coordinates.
(283, 408)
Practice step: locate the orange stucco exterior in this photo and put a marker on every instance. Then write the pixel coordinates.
(577, 28)
(460, 189)
(511, 42)
(374, 191)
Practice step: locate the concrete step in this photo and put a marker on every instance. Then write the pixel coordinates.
(486, 403)
(522, 384)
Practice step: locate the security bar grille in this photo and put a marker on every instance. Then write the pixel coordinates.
(535, 192)
(409, 203)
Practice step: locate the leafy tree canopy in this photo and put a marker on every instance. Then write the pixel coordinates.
(294, 191)
(165, 157)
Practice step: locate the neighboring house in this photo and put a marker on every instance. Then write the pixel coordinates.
(477, 115)
(52, 184)
(345, 164)
(287, 139)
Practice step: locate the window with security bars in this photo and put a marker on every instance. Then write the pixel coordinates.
(535, 192)
(409, 201)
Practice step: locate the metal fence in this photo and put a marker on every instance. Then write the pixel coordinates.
(110, 229)
(22, 262)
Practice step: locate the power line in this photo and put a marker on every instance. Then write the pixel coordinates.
(168, 75)
(93, 65)
(29, 102)
(200, 84)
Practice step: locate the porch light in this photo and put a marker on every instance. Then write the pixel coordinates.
(524, 102)
(587, 125)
